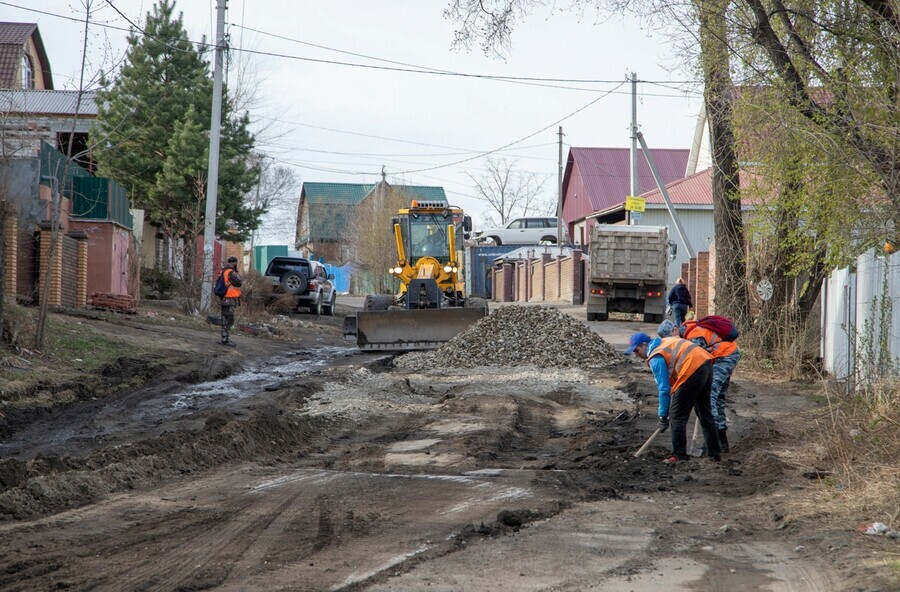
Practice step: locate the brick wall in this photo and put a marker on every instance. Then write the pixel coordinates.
(551, 281)
(69, 282)
(566, 279)
(10, 261)
(54, 267)
(537, 278)
(509, 284)
(81, 285)
(522, 282)
(701, 300)
(499, 283)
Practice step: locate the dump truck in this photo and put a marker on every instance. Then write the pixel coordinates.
(432, 306)
(628, 271)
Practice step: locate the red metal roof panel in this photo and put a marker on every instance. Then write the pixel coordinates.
(606, 172)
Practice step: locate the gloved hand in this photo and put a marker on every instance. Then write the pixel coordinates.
(663, 424)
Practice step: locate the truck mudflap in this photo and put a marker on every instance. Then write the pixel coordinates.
(407, 330)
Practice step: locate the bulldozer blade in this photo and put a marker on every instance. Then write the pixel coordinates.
(406, 330)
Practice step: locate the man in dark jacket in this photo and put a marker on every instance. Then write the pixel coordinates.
(680, 301)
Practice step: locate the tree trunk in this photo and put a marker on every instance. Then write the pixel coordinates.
(732, 297)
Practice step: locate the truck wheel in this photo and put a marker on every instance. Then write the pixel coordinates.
(294, 282)
(316, 306)
(652, 318)
(328, 309)
(602, 316)
(376, 302)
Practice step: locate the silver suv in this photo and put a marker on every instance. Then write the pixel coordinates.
(521, 231)
(306, 279)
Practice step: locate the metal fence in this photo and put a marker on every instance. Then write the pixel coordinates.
(860, 332)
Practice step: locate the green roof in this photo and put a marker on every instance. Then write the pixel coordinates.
(353, 193)
(336, 193)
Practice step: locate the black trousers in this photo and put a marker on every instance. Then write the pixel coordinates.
(694, 394)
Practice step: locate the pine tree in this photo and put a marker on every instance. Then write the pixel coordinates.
(165, 80)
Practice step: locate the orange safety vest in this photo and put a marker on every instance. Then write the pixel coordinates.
(683, 358)
(715, 345)
(233, 291)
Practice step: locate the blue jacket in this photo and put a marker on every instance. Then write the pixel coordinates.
(661, 374)
(680, 295)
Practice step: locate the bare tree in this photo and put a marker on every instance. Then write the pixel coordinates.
(510, 193)
(277, 193)
(372, 249)
(57, 195)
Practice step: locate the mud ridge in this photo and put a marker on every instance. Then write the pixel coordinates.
(51, 484)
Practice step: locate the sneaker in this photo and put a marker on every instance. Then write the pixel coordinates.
(672, 460)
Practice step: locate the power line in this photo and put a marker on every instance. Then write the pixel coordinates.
(410, 69)
(505, 146)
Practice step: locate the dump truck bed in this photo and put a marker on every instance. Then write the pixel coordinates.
(628, 253)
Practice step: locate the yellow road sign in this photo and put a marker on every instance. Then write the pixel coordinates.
(635, 204)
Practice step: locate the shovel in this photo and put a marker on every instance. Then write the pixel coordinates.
(648, 442)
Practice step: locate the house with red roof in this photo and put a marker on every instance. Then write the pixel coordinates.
(597, 180)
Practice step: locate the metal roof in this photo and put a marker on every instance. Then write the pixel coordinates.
(335, 193)
(47, 102)
(606, 172)
(13, 37)
(354, 193)
(695, 190)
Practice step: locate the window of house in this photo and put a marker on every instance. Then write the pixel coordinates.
(27, 72)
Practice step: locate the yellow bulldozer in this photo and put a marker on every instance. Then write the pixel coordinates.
(431, 306)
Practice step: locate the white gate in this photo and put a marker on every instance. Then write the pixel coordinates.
(861, 319)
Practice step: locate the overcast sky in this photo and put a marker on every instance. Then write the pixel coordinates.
(422, 121)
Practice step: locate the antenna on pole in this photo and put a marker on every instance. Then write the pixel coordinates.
(212, 185)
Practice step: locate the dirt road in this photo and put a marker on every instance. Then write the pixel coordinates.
(304, 465)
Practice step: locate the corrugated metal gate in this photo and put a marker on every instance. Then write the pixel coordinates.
(861, 319)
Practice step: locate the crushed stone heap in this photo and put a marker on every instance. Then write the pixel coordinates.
(538, 336)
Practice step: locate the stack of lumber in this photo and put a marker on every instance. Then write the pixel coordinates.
(116, 302)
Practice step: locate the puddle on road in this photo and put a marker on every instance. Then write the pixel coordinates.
(272, 373)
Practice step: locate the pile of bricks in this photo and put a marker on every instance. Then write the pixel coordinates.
(116, 302)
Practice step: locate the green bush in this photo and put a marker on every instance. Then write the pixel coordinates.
(156, 283)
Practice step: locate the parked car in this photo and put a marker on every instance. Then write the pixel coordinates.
(305, 279)
(521, 231)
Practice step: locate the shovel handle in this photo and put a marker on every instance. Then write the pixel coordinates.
(648, 442)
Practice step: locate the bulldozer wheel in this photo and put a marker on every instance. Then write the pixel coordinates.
(376, 302)
(476, 303)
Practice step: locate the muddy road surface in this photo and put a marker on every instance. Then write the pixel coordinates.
(303, 465)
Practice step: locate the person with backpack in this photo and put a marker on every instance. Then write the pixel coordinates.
(228, 289)
(680, 301)
(717, 336)
(683, 373)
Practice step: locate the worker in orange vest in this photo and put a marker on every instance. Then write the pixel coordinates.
(231, 298)
(726, 356)
(683, 372)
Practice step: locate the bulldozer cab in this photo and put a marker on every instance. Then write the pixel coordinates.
(427, 237)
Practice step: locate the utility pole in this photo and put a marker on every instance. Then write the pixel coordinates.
(634, 143)
(559, 194)
(212, 186)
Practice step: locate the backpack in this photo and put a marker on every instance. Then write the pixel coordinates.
(721, 326)
(221, 288)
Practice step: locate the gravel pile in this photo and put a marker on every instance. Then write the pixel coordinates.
(538, 336)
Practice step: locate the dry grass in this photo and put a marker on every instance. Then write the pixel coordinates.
(860, 442)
